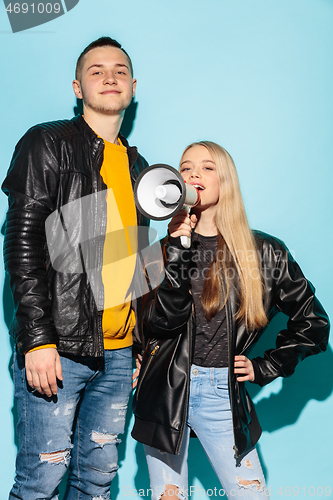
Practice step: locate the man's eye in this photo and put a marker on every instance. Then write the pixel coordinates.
(184, 169)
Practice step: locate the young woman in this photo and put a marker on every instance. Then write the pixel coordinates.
(214, 302)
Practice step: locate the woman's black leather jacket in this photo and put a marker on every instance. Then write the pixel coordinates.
(54, 164)
(161, 399)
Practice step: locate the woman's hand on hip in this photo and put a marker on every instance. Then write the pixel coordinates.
(243, 368)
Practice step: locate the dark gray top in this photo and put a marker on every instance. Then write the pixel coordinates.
(211, 345)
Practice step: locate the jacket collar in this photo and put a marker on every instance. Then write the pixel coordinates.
(90, 135)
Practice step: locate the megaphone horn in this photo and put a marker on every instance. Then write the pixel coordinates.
(160, 192)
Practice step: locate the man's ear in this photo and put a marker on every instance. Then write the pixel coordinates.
(134, 87)
(77, 89)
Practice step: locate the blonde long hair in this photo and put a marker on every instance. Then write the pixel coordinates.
(237, 246)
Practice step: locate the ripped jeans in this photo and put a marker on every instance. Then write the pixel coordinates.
(209, 415)
(77, 429)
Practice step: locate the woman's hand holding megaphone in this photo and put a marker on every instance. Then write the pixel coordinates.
(182, 224)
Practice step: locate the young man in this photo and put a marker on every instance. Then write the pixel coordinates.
(70, 249)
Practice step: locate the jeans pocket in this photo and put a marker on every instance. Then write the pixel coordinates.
(221, 389)
(195, 395)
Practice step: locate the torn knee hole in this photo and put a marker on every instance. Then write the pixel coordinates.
(56, 457)
(103, 438)
(247, 483)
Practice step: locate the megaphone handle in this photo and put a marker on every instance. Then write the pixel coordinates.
(185, 240)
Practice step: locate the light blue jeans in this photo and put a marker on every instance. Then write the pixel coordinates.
(77, 429)
(209, 415)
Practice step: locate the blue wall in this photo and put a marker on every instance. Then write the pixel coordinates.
(256, 77)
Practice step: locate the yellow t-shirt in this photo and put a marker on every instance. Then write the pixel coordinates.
(120, 248)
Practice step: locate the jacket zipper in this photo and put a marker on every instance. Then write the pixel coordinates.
(229, 331)
(189, 329)
(99, 317)
(152, 354)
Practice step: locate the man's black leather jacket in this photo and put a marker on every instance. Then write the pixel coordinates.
(54, 164)
(161, 399)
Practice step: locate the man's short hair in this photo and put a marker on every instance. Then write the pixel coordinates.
(104, 41)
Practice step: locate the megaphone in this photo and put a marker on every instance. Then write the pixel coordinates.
(160, 192)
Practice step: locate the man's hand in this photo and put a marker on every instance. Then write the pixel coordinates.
(138, 360)
(244, 366)
(43, 368)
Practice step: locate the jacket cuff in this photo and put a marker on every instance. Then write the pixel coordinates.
(29, 340)
(174, 242)
(258, 379)
(176, 253)
(136, 348)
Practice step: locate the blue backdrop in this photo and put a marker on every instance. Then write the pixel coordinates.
(256, 77)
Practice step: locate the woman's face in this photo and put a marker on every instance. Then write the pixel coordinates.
(198, 168)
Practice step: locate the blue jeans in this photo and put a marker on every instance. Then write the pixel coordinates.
(209, 415)
(77, 429)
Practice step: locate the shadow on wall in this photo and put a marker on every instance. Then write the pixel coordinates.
(311, 380)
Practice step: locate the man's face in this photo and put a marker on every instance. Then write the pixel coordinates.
(106, 84)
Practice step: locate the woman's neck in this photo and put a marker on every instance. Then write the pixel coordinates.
(206, 224)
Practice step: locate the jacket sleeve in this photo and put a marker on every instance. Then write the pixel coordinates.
(308, 325)
(31, 186)
(169, 306)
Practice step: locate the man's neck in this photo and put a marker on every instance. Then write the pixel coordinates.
(106, 126)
